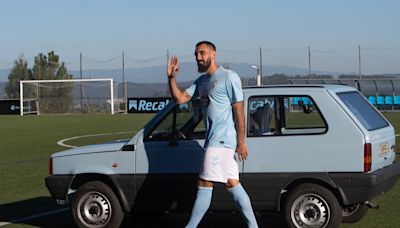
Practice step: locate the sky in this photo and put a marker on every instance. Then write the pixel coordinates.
(145, 31)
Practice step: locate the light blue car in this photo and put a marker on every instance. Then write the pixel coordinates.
(317, 153)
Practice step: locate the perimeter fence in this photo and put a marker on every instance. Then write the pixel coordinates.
(384, 94)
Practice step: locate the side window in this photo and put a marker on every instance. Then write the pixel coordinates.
(261, 116)
(183, 122)
(302, 116)
(283, 115)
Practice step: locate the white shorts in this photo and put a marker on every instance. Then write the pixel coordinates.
(219, 165)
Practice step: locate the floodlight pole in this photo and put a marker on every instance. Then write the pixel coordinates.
(124, 89)
(80, 69)
(261, 66)
(309, 62)
(167, 56)
(112, 95)
(359, 61)
(258, 76)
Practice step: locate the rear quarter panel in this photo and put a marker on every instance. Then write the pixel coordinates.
(382, 140)
(340, 149)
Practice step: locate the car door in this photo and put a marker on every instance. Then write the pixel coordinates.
(280, 129)
(168, 160)
(168, 164)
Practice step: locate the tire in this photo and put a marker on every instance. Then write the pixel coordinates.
(354, 213)
(95, 205)
(311, 205)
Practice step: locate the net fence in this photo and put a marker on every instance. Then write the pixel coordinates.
(72, 96)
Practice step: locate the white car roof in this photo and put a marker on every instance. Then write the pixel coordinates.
(331, 87)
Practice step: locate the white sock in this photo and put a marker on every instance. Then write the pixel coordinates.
(242, 200)
(200, 207)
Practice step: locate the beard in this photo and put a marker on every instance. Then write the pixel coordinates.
(203, 67)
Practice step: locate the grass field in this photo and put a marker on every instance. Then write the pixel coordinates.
(26, 142)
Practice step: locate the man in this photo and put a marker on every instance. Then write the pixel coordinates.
(220, 92)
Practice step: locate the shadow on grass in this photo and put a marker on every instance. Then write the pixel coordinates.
(44, 212)
(39, 212)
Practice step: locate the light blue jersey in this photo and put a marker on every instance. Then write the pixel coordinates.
(217, 94)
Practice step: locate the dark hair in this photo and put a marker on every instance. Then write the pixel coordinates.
(208, 43)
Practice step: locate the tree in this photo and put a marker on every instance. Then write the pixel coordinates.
(48, 67)
(20, 71)
(54, 97)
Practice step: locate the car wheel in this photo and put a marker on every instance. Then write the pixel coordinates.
(311, 205)
(95, 205)
(354, 213)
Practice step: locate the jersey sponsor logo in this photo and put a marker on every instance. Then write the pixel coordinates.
(147, 105)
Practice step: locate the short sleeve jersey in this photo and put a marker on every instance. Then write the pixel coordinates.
(217, 94)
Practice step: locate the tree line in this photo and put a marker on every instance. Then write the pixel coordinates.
(49, 97)
(45, 67)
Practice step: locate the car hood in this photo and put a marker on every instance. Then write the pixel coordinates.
(97, 148)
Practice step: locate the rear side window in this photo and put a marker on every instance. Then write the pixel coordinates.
(284, 115)
(363, 111)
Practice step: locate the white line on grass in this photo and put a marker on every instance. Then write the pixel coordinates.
(62, 142)
(33, 216)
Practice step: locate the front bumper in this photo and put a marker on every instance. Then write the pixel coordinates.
(360, 187)
(58, 186)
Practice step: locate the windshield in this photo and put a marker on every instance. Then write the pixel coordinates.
(363, 111)
(160, 114)
(178, 121)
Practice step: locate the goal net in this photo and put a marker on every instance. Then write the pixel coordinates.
(70, 96)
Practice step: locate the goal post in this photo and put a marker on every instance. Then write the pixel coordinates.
(67, 96)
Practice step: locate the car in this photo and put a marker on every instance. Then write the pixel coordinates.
(318, 154)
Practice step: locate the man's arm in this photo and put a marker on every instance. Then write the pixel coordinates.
(179, 95)
(241, 147)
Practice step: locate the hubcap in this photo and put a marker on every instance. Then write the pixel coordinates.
(310, 210)
(94, 209)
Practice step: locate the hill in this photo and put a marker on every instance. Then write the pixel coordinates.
(188, 72)
(156, 74)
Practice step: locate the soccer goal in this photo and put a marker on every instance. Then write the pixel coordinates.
(68, 96)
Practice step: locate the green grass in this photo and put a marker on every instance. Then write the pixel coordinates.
(28, 141)
(388, 213)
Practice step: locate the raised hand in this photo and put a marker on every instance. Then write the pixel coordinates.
(173, 67)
